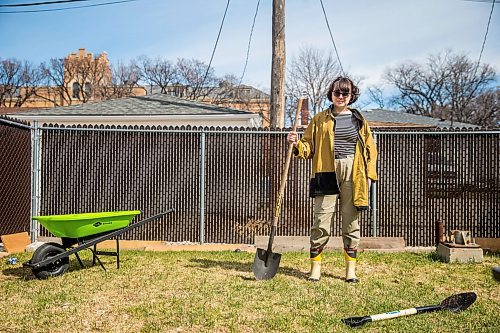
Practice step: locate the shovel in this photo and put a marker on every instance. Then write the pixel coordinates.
(455, 303)
(266, 262)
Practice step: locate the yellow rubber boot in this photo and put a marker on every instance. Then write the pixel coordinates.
(350, 265)
(315, 268)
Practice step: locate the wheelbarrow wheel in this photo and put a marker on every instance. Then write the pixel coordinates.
(47, 251)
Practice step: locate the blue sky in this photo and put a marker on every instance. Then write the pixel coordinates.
(370, 34)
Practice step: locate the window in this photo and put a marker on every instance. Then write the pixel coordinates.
(88, 89)
(76, 90)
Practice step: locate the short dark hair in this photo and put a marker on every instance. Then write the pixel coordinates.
(346, 84)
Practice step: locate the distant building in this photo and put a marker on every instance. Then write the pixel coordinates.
(83, 72)
(240, 97)
(85, 78)
(88, 78)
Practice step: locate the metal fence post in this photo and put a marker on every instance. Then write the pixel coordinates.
(35, 179)
(374, 199)
(202, 187)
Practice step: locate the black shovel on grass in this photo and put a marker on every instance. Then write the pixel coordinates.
(266, 263)
(454, 303)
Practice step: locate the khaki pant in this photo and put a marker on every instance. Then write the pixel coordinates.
(325, 207)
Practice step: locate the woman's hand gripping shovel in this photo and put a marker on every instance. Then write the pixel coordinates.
(266, 263)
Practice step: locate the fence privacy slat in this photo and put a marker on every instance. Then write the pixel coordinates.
(15, 178)
(449, 176)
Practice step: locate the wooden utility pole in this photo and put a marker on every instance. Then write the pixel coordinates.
(278, 66)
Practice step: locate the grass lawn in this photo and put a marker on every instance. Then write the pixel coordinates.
(217, 292)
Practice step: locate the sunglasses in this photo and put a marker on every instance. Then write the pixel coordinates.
(338, 93)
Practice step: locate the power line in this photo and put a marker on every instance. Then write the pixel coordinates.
(67, 8)
(249, 42)
(216, 42)
(331, 36)
(41, 3)
(485, 36)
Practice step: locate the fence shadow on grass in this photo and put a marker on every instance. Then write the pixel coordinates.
(19, 272)
(25, 273)
(248, 268)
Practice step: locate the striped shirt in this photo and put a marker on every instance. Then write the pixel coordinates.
(346, 135)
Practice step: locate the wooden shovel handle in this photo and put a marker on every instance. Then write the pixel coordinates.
(284, 175)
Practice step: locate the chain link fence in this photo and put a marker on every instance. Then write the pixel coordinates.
(223, 183)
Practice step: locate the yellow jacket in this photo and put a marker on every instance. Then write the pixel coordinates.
(317, 143)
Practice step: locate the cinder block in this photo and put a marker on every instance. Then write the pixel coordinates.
(460, 254)
(492, 244)
(301, 243)
(375, 243)
(33, 246)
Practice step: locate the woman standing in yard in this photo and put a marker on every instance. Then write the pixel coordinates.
(344, 157)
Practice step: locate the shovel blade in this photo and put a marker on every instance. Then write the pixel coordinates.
(265, 264)
(459, 302)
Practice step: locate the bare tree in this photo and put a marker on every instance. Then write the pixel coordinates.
(443, 88)
(376, 95)
(193, 74)
(124, 81)
(467, 82)
(157, 72)
(484, 110)
(18, 81)
(310, 72)
(227, 90)
(88, 76)
(420, 92)
(81, 79)
(9, 80)
(58, 90)
(230, 93)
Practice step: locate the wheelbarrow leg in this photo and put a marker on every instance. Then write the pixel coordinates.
(79, 259)
(94, 256)
(117, 252)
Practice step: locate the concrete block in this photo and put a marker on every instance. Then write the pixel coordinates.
(301, 243)
(43, 239)
(460, 254)
(374, 243)
(33, 246)
(491, 244)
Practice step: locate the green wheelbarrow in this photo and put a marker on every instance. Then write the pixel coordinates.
(79, 232)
